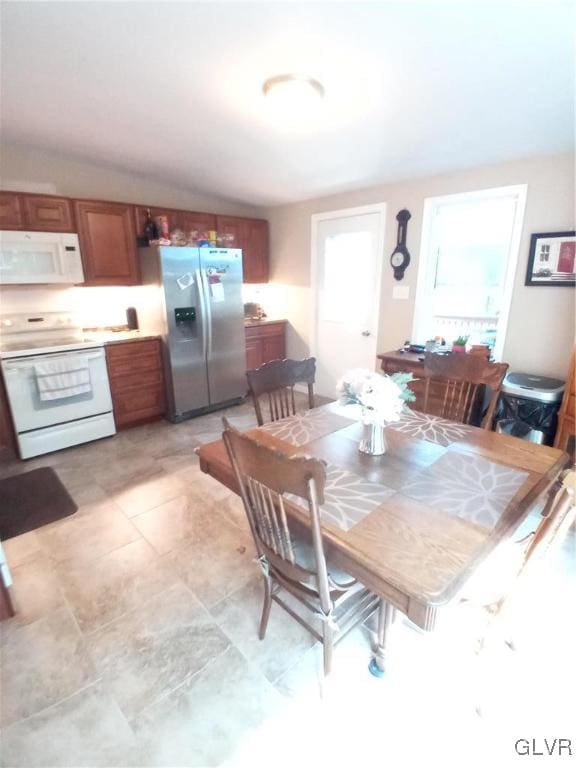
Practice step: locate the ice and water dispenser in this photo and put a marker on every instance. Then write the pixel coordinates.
(185, 322)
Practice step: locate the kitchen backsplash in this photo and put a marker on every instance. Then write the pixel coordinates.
(106, 306)
(93, 306)
(270, 296)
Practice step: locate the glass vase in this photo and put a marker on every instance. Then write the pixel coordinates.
(373, 441)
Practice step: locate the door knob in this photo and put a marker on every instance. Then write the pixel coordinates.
(365, 333)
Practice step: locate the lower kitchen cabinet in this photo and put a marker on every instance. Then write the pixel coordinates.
(264, 343)
(136, 381)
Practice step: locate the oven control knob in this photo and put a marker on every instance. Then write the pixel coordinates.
(7, 323)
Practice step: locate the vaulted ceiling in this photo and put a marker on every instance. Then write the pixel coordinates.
(173, 90)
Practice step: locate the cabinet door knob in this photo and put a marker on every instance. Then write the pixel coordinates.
(365, 333)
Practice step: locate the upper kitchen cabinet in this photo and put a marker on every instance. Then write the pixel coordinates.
(47, 214)
(187, 221)
(11, 216)
(107, 242)
(38, 213)
(251, 235)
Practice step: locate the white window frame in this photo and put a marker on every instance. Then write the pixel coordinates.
(423, 286)
(344, 213)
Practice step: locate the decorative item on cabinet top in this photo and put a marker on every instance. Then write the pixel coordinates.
(205, 229)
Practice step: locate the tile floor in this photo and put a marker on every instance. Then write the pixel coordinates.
(135, 642)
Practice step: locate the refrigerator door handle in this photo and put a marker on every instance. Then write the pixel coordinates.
(206, 299)
(203, 311)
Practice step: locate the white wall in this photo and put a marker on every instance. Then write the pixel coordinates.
(26, 169)
(541, 324)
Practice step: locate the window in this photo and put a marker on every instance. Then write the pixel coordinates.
(340, 294)
(467, 265)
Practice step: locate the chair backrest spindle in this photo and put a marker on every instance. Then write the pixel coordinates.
(461, 376)
(265, 475)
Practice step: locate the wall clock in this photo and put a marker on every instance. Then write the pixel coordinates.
(400, 257)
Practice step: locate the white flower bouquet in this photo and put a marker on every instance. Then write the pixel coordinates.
(381, 397)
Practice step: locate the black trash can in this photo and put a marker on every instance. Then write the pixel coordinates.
(529, 406)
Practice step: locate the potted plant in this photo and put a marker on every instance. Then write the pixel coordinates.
(459, 345)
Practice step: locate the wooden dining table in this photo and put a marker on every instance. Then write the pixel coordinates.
(414, 524)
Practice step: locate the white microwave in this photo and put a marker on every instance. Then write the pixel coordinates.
(28, 258)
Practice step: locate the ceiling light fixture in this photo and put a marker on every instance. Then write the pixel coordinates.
(293, 88)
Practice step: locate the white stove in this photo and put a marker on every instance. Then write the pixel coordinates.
(56, 381)
(22, 333)
(25, 348)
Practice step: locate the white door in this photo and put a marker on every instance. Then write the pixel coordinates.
(347, 253)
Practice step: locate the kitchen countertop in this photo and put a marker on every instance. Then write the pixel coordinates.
(267, 321)
(119, 337)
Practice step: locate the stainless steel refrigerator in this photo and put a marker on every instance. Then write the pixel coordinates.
(194, 301)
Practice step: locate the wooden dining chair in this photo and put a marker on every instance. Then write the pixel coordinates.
(291, 555)
(493, 587)
(276, 380)
(504, 571)
(452, 386)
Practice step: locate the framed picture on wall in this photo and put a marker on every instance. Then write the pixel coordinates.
(552, 259)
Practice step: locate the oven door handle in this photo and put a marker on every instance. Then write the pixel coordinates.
(29, 362)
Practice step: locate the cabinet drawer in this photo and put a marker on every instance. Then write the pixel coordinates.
(133, 356)
(138, 404)
(261, 331)
(126, 366)
(141, 379)
(132, 348)
(393, 366)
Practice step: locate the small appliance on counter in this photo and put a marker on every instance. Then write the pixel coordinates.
(131, 319)
(529, 406)
(253, 311)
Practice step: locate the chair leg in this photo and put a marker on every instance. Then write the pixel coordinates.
(328, 646)
(386, 614)
(266, 607)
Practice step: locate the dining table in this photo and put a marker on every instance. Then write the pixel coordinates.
(414, 524)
